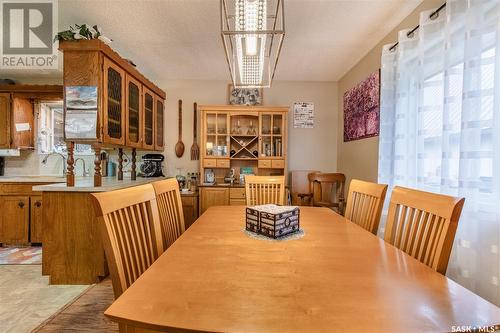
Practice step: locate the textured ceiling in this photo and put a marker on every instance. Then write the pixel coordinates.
(180, 39)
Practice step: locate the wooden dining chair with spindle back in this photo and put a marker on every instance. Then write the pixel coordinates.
(261, 190)
(423, 224)
(327, 190)
(365, 201)
(131, 232)
(168, 199)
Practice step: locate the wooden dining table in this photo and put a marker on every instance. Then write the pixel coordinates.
(336, 277)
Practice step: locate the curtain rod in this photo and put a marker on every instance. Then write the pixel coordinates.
(418, 25)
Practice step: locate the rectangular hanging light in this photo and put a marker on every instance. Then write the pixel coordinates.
(252, 34)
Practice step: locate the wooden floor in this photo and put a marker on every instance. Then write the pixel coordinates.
(85, 314)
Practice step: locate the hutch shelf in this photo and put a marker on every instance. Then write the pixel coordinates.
(236, 140)
(130, 108)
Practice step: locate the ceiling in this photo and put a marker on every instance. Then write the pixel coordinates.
(180, 39)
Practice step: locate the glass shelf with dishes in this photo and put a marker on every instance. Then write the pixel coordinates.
(271, 132)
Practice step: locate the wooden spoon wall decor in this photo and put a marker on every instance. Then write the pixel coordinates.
(179, 146)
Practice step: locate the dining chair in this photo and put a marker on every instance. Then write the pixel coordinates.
(261, 190)
(168, 199)
(131, 232)
(364, 205)
(300, 187)
(327, 190)
(423, 225)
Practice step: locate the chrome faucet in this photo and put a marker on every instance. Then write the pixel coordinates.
(85, 172)
(44, 161)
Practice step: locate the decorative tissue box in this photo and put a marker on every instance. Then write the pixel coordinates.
(272, 220)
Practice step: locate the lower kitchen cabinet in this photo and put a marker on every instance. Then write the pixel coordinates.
(21, 218)
(213, 196)
(15, 219)
(36, 219)
(190, 208)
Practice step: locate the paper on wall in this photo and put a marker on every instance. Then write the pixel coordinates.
(22, 127)
(303, 115)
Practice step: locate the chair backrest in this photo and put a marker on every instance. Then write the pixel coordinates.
(327, 190)
(131, 232)
(261, 190)
(423, 225)
(300, 187)
(364, 205)
(168, 198)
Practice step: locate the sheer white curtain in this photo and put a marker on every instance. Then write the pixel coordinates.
(440, 127)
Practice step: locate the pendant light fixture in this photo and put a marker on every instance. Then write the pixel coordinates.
(252, 34)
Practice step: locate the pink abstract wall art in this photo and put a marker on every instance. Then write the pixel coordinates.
(362, 109)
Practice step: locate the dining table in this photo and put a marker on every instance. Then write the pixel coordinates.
(333, 276)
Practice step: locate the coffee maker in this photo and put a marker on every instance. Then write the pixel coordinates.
(151, 165)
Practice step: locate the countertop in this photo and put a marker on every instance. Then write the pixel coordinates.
(32, 179)
(87, 185)
(222, 185)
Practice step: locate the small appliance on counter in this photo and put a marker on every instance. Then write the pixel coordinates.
(209, 177)
(151, 165)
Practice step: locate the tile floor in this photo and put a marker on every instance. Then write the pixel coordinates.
(26, 298)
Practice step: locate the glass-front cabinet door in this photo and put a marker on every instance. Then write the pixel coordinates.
(159, 123)
(271, 131)
(149, 106)
(216, 129)
(134, 113)
(114, 103)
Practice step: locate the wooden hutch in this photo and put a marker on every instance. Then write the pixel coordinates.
(130, 108)
(244, 138)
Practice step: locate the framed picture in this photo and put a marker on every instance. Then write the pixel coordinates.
(244, 96)
(362, 109)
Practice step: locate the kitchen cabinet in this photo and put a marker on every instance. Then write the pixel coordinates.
(159, 124)
(36, 219)
(189, 208)
(149, 115)
(130, 108)
(21, 218)
(213, 196)
(134, 113)
(15, 220)
(114, 103)
(237, 196)
(17, 112)
(4, 120)
(23, 114)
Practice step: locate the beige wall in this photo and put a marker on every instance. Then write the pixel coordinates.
(307, 148)
(359, 159)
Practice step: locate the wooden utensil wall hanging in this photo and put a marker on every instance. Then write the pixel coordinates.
(195, 149)
(179, 146)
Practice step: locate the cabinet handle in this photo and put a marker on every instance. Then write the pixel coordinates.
(20, 204)
(38, 204)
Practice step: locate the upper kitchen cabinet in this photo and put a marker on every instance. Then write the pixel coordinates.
(159, 124)
(134, 113)
(114, 99)
(17, 112)
(149, 115)
(127, 103)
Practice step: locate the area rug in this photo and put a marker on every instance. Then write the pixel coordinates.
(21, 255)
